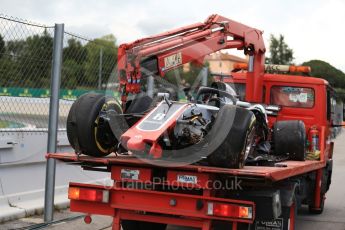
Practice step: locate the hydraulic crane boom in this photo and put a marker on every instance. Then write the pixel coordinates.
(161, 53)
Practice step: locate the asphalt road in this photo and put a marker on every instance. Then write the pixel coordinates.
(333, 217)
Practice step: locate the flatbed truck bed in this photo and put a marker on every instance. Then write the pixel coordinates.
(269, 194)
(281, 170)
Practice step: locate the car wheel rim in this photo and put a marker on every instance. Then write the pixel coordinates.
(249, 143)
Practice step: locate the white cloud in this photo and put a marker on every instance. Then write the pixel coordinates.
(312, 28)
(319, 34)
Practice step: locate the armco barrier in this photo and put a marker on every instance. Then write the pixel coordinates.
(22, 174)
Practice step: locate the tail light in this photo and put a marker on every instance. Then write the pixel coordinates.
(230, 210)
(88, 194)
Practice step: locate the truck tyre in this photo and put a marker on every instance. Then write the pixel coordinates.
(86, 131)
(289, 138)
(140, 225)
(312, 210)
(239, 140)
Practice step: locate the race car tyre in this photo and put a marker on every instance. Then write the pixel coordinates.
(87, 132)
(139, 104)
(136, 106)
(140, 225)
(239, 140)
(289, 138)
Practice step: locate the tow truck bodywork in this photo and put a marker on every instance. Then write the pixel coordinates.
(153, 200)
(186, 195)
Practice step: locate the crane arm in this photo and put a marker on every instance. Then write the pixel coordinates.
(156, 55)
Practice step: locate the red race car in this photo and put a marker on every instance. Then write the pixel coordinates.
(216, 128)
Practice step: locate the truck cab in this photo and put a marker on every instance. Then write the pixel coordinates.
(308, 99)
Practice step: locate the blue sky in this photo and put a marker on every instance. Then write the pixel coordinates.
(312, 28)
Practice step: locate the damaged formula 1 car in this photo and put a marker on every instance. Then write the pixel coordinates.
(215, 129)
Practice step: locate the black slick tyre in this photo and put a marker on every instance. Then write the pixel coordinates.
(86, 131)
(239, 139)
(289, 138)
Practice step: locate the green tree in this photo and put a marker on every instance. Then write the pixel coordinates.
(107, 46)
(280, 53)
(35, 61)
(27, 63)
(75, 51)
(325, 70)
(10, 68)
(74, 58)
(333, 75)
(2, 46)
(15, 48)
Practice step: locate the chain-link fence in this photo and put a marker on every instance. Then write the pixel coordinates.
(87, 65)
(25, 72)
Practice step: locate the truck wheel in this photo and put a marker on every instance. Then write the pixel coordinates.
(86, 131)
(238, 144)
(312, 210)
(289, 138)
(140, 225)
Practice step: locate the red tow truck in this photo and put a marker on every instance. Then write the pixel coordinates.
(263, 194)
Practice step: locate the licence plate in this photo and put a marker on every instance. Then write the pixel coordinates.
(130, 174)
(172, 61)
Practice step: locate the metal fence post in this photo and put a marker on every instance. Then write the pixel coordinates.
(53, 122)
(100, 69)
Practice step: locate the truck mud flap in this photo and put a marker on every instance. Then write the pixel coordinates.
(277, 224)
(285, 222)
